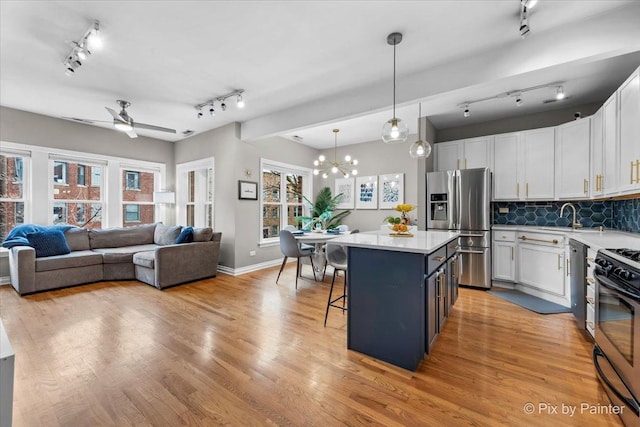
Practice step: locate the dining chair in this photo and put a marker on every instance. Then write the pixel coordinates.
(303, 246)
(289, 248)
(337, 258)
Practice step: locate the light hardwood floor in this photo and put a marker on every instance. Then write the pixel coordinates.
(244, 351)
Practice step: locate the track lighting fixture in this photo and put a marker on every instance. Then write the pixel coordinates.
(199, 112)
(524, 21)
(529, 3)
(343, 167)
(394, 131)
(221, 101)
(80, 49)
(517, 94)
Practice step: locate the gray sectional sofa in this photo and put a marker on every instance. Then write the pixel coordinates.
(146, 253)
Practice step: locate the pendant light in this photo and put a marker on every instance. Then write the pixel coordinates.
(345, 168)
(420, 148)
(394, 131)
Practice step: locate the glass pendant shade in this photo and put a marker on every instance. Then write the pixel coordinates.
(394, 131)
(420, 149)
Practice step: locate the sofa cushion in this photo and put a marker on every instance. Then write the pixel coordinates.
(202, 234)
(124, 254)
(77, 239)
(145, 259)
(165, 234)
(48, 243)
(70, 260)
(186, 235)
(119, 237)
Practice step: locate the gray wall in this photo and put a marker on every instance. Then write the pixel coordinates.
(239, 220)
(513, 124)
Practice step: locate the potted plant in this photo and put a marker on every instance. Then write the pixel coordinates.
(322, 211)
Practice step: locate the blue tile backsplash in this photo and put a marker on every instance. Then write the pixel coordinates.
(619, 214)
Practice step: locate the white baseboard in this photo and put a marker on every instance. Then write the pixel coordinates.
(5, 280)
(249, 268)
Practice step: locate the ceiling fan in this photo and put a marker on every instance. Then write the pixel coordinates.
(123, 122)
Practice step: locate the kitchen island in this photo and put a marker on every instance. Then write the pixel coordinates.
(398, 291)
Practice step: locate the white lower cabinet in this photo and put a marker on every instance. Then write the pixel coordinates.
(542, 267)
(504, 256)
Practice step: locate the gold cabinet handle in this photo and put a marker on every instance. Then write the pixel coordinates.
(631, 176)
(590, 259)
(637, 171)
(591, 301)
(567, 272)
(598, 182)
(513, 250)
(525, 238)
(465, 163)
(591, 280)
(457, 163)
(439, 258)
(518, 189)
(586, 186)
(527, 189)
(590, 324)
(559, 262)
(454, 266)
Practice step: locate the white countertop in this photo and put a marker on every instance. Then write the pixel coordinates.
(607, 239)
(5, 345)
(421, 242)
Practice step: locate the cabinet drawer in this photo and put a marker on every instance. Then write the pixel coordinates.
(591, 295)
(553, 240)
(452, 248)
(504, 236)
(435, 259)
(591, 319)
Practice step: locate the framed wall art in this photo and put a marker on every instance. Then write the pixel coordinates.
(247, 190)
(391, 190)
(367, 192)
(347, 187)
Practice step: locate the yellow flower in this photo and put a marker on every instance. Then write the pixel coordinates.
(404, 207)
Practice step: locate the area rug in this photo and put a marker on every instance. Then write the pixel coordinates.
(530, 302)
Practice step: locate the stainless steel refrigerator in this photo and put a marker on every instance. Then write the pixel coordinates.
(461, 200)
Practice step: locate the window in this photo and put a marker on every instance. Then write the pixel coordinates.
(95, 176)
(75, 203)
(131, 213)
(60, 172)
(137, 196)
(195, 196)
(282, 187)
(13, 188)
(81, 175)
(132, 180)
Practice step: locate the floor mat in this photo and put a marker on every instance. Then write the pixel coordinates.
(530, 302)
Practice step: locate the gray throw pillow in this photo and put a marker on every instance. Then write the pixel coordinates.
(165, 234)
(202, 234)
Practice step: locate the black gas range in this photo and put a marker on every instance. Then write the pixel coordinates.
(616, 354)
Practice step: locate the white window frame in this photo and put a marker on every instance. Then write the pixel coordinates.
(84, 161)
(132, 167)
(200, 202)
(25, 180)
(307, 191)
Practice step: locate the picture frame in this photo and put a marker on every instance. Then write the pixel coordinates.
(390, 190)
(367, 192)
(247, 190)
(347, 187)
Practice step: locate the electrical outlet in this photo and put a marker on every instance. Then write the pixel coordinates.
(252, 253)
(503, 210)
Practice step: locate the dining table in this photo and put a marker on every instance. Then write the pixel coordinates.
(318, 238)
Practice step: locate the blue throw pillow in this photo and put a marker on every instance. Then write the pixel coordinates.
(186, 235)
(48, 243)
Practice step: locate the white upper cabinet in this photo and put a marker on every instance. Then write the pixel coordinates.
(537, 160)
(572, 152)
(505, 167)
(609, 178)
(464, 154)
(597, 159)
(629, 134)
(448, 155)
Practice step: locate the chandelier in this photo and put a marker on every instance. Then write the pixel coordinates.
(345, 168)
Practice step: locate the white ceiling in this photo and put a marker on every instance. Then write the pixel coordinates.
(310, 66)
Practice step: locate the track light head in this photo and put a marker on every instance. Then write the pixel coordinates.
(199, 113)
(69, 71)
(240, 101)
(223, 106)
(524, 22)
(529, 3)
(94, 38)
(518, 100)
(560, 93)
(212, 111)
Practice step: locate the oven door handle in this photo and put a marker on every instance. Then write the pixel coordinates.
(609, 284)
(631, 403)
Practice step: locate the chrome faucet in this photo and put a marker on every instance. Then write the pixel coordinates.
(575, 224)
